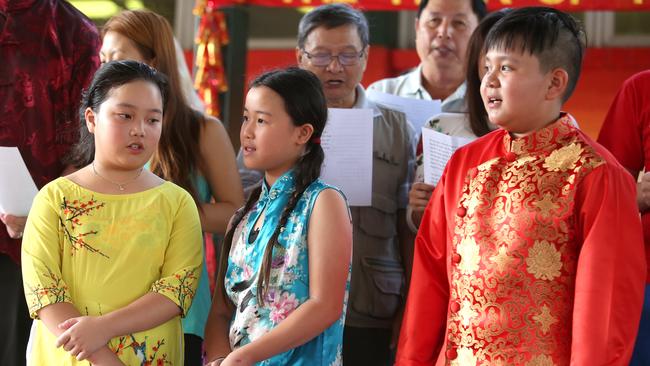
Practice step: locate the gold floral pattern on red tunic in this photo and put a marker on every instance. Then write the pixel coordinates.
(541, 360)
(514, 282)
(564, 158)
(501, 260)
(546, 205)
(466, 313)
(545, 318)
(465, 358)
(469, 254)
(544, 261)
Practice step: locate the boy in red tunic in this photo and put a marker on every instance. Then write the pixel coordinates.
(530, 250)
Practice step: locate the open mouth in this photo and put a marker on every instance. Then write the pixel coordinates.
(136, 146)
(494, 102)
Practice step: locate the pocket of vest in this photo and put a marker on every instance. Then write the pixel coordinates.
(381, 291)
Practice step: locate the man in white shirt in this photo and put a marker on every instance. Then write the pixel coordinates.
(442, 32)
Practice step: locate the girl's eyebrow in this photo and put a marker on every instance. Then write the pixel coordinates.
(128, 105)
(260, 112)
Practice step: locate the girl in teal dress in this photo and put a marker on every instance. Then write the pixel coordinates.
(282, 288)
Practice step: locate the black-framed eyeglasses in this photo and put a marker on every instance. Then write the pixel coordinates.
(324, 59)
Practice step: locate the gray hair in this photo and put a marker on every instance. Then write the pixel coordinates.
(333, 16)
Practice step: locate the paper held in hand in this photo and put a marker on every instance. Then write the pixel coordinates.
(347, 143)
(17, 188)
(438, 149)
(417, 111)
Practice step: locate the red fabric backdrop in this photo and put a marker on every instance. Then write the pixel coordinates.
(567, 5)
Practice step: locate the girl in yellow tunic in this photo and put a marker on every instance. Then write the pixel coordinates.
(111, 253)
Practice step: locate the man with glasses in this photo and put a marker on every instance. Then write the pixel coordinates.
(333, 44)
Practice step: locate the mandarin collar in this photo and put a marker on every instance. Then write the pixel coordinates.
(544, 139)
(284, 184)
(13, 5)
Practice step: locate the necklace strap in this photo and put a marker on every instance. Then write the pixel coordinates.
(120, 186)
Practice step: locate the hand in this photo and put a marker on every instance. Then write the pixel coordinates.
(83, 336)
(15, 225)
(643, 193)
(237, 357)
(418, 199)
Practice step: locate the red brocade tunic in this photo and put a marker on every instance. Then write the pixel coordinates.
(530, 253)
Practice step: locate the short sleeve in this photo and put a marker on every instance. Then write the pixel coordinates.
(183, 258)
(41, 256)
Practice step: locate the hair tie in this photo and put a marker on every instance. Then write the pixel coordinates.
(316, 140)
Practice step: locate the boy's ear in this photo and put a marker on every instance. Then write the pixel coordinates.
(304, 133)
(89, 115)
(559, 79)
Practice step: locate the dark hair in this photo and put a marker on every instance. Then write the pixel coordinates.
(554, 37)
(108, 77)
(178, 155)
(478, 7)
(478, 118)
(333, 16)
(305, 102)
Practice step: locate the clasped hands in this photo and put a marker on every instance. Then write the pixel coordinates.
(83, 336)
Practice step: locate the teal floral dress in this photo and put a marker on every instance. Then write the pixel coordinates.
(289, 279)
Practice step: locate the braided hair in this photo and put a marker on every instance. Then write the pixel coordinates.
(304, 102)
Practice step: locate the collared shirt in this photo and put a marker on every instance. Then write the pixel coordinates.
(49, 52)
(409, 85)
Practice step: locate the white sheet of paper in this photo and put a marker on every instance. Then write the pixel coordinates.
(17, 188)
(347, 143)
(438, 148)
(417, 111)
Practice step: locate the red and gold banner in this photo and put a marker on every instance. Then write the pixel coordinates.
(566, 5)
(212, 34)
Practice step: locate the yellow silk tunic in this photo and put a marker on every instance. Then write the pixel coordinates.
(101, 252)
